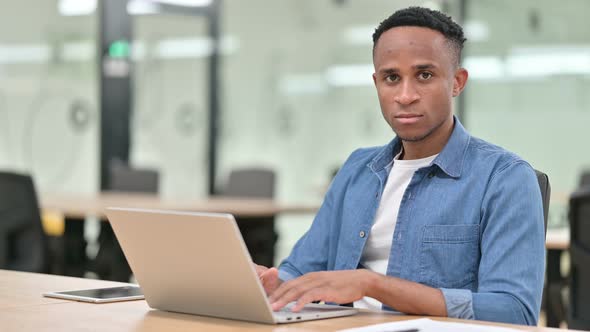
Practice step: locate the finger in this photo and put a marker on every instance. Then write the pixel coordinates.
(309, 280)
(294, 292)
(289, 287)
(260, 269)
(316, 294)
(270, 280)
(292, 295)
(269, 274)
(283, 295)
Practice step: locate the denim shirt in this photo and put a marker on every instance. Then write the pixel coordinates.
(470, 224)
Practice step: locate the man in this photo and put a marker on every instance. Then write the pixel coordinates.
(437, 222)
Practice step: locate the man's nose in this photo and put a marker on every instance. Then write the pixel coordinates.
(407, 94)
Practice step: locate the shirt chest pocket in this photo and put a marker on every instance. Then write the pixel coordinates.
(449, 255)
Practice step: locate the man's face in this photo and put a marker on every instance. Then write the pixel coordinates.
(416, 79)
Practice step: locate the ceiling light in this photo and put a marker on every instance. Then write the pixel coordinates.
(142, 7)
(76, 7)
(350, 75)
(301, 84)
(359, 35)
(185, 3)
(27, 53)
(476, 31)
(485, 67)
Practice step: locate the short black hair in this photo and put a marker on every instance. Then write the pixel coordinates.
(427, 18)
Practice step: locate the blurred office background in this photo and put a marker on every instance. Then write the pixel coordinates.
(295, 92)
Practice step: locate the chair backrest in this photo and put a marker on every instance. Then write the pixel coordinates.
(259, 233)
(23, 245)
(585, 179)
(251, 182)
(545, 194)
(579, 219)
(127, 179)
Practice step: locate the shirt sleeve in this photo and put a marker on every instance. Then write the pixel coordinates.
(314, 250)
(311, 252)
(459, 303)
(512, 265)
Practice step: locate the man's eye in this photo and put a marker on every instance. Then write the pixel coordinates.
(425, 75)
(392, 78)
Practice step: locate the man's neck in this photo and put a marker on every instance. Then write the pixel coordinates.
(430, 145)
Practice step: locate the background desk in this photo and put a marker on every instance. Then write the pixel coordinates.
(254, 216)
(22, 308)
(82, 206)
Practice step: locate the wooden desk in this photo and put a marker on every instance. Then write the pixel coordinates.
(82, 206)
(32, 312)
(19, 289)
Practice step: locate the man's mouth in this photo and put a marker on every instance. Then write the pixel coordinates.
(408, 118)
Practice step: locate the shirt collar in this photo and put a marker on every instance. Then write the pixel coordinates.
(450, 159)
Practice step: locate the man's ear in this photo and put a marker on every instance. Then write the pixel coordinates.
(460, 81)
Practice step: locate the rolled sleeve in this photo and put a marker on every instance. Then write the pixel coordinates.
(459, 303)
(285, 275)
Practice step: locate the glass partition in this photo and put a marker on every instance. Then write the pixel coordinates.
(170, 105)
(48, 96)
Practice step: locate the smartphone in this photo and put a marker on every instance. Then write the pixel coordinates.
(100, 295)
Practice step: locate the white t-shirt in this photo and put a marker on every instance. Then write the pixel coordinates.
(376, 252)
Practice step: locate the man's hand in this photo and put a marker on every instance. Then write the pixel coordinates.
(349, 286)
(269, 278)
(332, 286)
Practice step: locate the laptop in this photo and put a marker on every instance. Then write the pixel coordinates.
(197, 263)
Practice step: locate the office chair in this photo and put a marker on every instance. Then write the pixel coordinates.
(553, 301)
(579, 281)
(23, 245)
(124, 178)
(251, 183)
(110, 262)
(258, 233)
(585, 179)
(545, 187)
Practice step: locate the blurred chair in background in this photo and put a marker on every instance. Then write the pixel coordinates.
(110, 262)
(579, 281)
(585, 179)
(552, 301)
(259, 233)
(128, 179)
(545, 187)
(23, 244)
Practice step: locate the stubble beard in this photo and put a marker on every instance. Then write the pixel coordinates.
(420, 137)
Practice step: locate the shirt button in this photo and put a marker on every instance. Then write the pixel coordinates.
(362, 234)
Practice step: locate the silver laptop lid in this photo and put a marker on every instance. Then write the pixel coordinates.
(191, 262)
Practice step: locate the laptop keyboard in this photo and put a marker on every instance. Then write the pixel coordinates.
(311, 311)
(286, 310)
